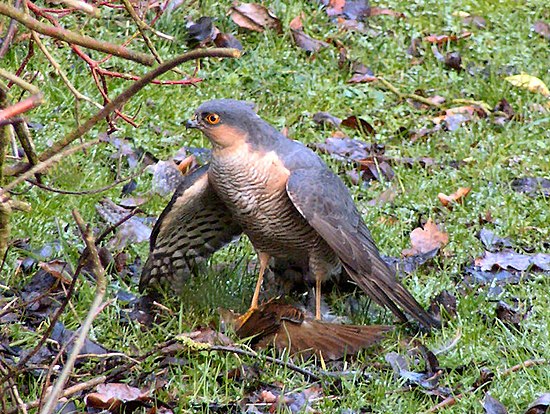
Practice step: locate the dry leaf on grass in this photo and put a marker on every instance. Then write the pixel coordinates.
(456, 197)
(302, 40)
(424, 240)
(529, 82)
(254, 17)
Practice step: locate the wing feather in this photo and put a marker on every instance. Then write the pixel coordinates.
(325, 202)
(193, 225)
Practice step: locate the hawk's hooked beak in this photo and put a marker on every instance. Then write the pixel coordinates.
(192, 123)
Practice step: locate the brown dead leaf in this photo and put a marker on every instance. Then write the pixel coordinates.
(424, 240)
(254, 17)
(359, 124)
(227, 40)
(112, 396)
(542, 28)
(453, 118)
(362, 74)
(377, 11)
(302, 40)
(456, 197)
(442, 39)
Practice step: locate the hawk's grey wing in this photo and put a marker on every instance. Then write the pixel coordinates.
(193, 226)
(325, 202)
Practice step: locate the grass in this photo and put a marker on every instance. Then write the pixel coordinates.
(288, 86)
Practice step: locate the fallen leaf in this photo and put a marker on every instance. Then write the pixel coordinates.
(132, 230)
(201, 32)
(359, 124)
(475, 21)
(540, 406)
(376, 167)
(302, 40)
(377, 11)
(532, 186)
(491, 241)
(453, 118)
(227, 40)
(542, 28)
(424, 240)
(254, 17)
(414, 48)
(410, 263)
(335, 7)
(453, 60)
(427, 380)
(457, 197)
(442, 39)
(324, 118)
(362, 74)
(493, 406)
(112, 396)
(385, 197)
(510, 316)
(509, 259)
(529, 82)
(445, 301)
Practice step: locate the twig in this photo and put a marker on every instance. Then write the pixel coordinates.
(142, 27)
(401, 95)
(61, 73)
(82, 6)
(46, 164)
(125, 96)
(22, 106)
(308, 374)
(74, 38)
(68, 392)
(101, 281)
(24, 136)
(12, 29)
(87, 192)
(18, 81)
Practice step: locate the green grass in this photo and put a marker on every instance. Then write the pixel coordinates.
(288, 86)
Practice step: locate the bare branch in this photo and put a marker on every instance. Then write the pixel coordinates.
(124, 97)
(75, 38)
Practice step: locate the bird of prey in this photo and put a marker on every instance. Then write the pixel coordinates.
(284, 198)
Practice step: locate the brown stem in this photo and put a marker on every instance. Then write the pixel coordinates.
(75, 38)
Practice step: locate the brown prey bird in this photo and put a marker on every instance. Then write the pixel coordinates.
(284, 198)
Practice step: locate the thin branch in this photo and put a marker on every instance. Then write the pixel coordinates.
(101, 287)
(82, 6)
(61, 73)
(74, 38)
(46, 164)
(87, 192)
(308, 374)
(10, 34)
(22, 106)
(18, 81)
(125, 96)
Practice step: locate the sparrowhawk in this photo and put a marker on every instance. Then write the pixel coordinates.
(284, 198)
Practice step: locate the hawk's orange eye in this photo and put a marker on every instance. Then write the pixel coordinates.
(212, 119)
